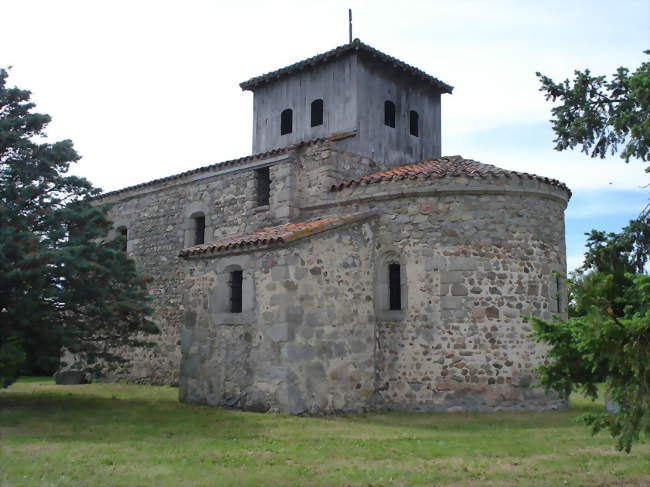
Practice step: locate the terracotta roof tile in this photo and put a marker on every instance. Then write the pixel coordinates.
(280, 234)
(441, 167)
(355, 45)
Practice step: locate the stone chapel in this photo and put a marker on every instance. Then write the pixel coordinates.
(347, 265)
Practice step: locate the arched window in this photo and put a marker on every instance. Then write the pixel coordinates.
(236, 291)
(391, 290)
(124, 235)
(394, 287)
(286, 121)
(196, 224)
(414, 119)
(316, 112)
(199, 229)
(389, 113)
(263, 180)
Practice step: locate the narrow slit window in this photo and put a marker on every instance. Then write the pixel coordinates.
(199, 229)
(414, 119)
(125, 238)
(263, 177)
(236, 282)
(558, 295)
(389, 113)
(316, 112)
(286, 121)
(394, 287)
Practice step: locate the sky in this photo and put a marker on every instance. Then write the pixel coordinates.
(147, 89)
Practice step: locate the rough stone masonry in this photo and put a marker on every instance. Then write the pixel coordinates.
(317, 278)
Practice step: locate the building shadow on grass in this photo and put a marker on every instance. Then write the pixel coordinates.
(71, 417)
(79, 414)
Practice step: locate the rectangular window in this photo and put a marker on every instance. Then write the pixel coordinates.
(286, 121)
(394, 287)
(558, 295)
(316, 112)
(414, 120)
(199, 230)
(236, 294)
(389, 113)
(263, 177)
(125, 238)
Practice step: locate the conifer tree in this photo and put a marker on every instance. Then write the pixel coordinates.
(602, 116)
(606, 338)
(63, 284)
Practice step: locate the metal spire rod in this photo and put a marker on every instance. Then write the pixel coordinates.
(350, 23)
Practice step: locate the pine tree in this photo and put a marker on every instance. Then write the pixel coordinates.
(602, 115)
(63, 284)
(606, 338)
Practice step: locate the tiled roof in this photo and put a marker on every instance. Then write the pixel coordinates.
(219, 165)
(441, 167)
(280, 234)
(355, 45)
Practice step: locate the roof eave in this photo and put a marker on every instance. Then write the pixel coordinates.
(218, 249)
(356, 45)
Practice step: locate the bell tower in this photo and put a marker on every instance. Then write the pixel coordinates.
(384, 108)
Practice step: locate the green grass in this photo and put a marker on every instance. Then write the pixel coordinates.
(130, 435)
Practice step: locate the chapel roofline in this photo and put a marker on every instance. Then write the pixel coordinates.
(439, 167)
(355, 45)
(266, 237)
(226, 164)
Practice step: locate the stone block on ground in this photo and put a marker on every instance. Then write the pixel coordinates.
(70, 377)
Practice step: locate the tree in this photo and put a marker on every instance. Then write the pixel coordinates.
(62, 283)
(602, 115)
(607, 335)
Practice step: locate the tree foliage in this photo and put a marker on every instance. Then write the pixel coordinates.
(607, 335)
(62, 284)
(603, 116)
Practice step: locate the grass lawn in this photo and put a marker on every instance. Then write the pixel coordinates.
(131, 435)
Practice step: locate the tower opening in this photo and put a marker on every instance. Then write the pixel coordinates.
(286, 121)
(316, 112)
(414, 120)
(389, 113)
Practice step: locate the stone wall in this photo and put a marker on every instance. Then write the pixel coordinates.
(477, 253)
(304, 342)
(159, 222)
(158, 219)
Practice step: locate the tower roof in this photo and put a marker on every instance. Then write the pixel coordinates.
(355, 45)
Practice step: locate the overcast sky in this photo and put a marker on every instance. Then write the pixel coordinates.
(146, 89)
